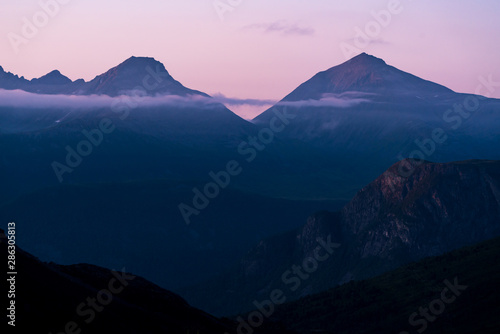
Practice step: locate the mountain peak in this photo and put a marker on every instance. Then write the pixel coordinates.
(365, 58)
(135, 75)
(366, 74)
(144, 74)
(141, 62)
(140, 67)
(53, 78)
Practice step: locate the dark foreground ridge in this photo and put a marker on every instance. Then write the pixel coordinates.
(51, 298)
(453, 293)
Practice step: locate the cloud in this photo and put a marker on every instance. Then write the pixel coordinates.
(238, 102)
(23, 99)
(343, 100)
(282, 27)
(246, 108)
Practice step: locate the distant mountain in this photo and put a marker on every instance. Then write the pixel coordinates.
(135, 143)
(53, 78)
(345, 127)
(136, 176)
(364, 115)
(392, 221)
(145, 73)
(407, 300)
(9, 80)
(331, 148)
(149, 138)
(53, 298)
(51, 83)
(365, 74)
(136, 75)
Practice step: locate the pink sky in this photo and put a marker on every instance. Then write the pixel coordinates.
(261, 49)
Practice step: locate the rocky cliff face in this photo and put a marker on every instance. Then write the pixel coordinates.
(414, 210)
(437, 208)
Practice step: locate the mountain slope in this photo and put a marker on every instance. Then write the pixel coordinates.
(384, 304)
(136, 75)
(392, 221)
(52, 83)
(364, 115)
(53, 78)
(147, 74)
(128, 222)
(49, 299)
(365, 74)
(341, 130)
(185, 134)
(9, 80)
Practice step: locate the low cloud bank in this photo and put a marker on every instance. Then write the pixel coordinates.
(343, 100)
(23, 99)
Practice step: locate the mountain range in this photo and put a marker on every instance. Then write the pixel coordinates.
(50, 299)
(106, 167)
(137, 74)
(364, 115)
(362, 110)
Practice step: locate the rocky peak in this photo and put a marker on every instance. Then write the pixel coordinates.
(53, 78)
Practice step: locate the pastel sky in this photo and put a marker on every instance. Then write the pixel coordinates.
(261, 49)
